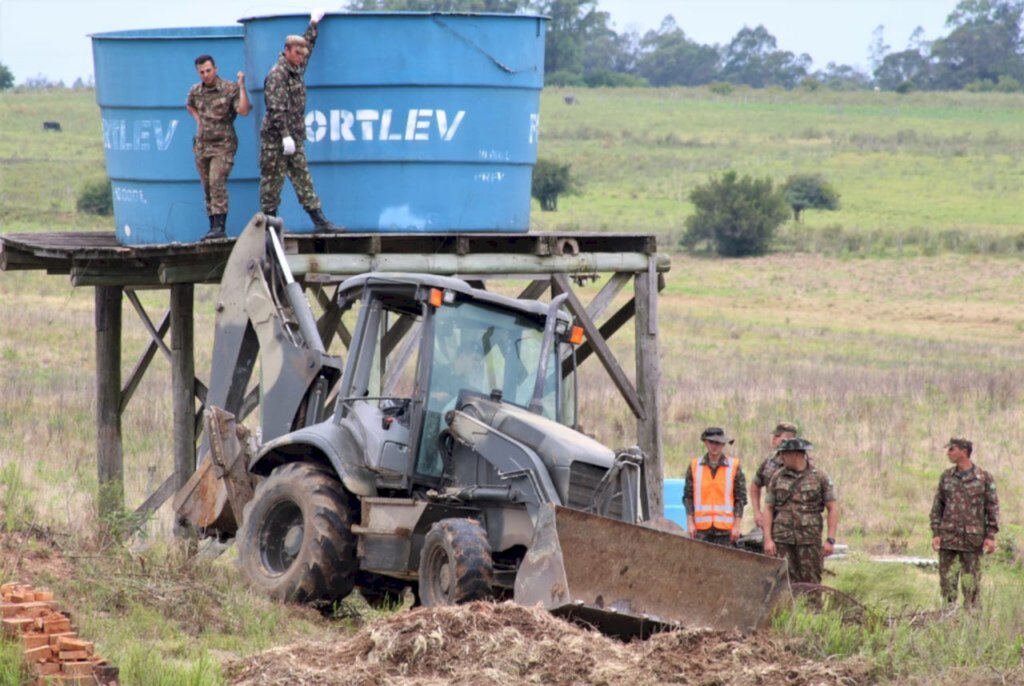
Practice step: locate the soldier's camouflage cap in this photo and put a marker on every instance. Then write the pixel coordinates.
(715, 435)
(785, 427)
(791, 445)
(959, 442)
(297, 42)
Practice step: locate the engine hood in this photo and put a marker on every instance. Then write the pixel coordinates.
(556, 444)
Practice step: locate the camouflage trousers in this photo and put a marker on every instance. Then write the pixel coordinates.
(214, 166)
(275, 166)
(805, 561)
(963, 568)
(715, 536)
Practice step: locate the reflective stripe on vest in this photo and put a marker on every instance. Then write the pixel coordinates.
(713, 504)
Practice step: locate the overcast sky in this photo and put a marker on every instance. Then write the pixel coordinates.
(49, 37)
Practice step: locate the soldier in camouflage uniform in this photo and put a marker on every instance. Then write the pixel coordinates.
(965, 521)
(797, 494)
(283, 135)
(773, 463)
(214, 103)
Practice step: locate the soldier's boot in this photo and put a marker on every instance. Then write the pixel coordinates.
(217, 223)
(320, 222)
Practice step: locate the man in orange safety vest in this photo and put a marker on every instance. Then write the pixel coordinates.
(715, 492)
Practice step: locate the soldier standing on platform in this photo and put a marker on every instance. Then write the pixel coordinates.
(773, 463)
(283, 135)
(965, 521)
(797, 494)
(715, 492)
(214, 103)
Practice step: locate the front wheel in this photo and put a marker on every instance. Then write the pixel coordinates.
(296, 543)
(455, 565)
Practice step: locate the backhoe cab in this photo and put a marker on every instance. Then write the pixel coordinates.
(444, 458)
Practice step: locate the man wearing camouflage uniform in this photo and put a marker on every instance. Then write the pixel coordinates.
(965, 521)
(783, 431)
(796, 496)
(283, 135)
(214, 103)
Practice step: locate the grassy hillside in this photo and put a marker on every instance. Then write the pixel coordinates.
(881, 328)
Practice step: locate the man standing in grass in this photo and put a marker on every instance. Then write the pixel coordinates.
(965, 521)
(214, 103)
(797, 495)
(715, 492)
(783, 431)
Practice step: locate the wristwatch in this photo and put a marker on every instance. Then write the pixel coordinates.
(830, 540)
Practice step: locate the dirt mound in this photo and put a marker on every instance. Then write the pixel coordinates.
(484, 643)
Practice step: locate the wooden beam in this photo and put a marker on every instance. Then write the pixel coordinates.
(147, 322)
(648, 374)
(607, 294)
(535, 289)
(183, 374)
(330, 322)
(604, 353)
(143, 363)
(607, 330)
(158, 498)
(109, 450)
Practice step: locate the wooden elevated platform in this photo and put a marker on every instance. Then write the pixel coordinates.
(551, 262)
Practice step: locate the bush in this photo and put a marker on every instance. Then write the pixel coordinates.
(563, 79)
(613, 79)
(551, 179)
(809, 192)
(739, 217)
(96, 197)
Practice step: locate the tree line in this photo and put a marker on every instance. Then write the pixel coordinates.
(983, 50)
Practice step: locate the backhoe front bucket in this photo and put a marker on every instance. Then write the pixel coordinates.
(630, 580)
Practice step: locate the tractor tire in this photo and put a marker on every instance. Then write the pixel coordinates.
(455, 565)
(296, 543)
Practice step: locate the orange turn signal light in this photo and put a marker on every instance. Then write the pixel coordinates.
(576, 335)
(436, 297)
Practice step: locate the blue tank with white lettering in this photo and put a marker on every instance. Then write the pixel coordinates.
(142, 81)
(415, 122)
(422, 122)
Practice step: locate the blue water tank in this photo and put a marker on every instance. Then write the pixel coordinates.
(142, 82)
(414, 121)
(674, 509)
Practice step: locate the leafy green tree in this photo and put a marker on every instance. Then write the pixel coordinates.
(551, 179)
(738, 216)
(668, 58)
(984, 44)
(904, 71)
(753, 58)
(6, 77)
(809, 192)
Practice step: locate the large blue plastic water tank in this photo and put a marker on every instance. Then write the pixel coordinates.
(414, 121)
(142, 82)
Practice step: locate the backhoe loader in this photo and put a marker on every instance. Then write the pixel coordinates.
(443, 455)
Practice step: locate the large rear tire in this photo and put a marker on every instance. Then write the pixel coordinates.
(296, 543)
(455, 565)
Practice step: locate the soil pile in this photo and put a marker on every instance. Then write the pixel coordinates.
(484, 643)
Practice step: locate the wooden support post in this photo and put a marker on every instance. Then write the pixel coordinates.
(183, 388)
(648, 373)
(109, 452)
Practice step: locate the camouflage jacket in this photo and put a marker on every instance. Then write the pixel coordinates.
(767, 470)
(217, 106)
(797, 500)
(966, 509)
(284, 93)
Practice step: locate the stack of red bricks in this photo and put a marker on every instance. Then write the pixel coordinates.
(54, 654)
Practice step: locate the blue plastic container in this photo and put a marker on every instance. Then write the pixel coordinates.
(414, 121)
(142, 83)
(674, 509)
